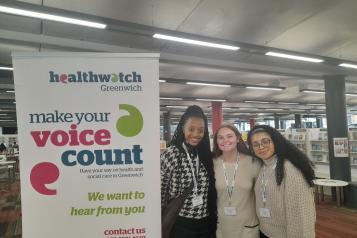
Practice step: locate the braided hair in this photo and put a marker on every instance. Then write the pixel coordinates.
(204, 153)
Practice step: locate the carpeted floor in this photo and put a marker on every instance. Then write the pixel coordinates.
(10, 209)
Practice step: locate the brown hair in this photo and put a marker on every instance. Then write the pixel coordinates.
(241, 146)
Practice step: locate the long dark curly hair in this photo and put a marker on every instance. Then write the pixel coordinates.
(204, 153)
(241, 146)
(285, 150)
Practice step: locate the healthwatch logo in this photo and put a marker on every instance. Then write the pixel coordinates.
(91, 77)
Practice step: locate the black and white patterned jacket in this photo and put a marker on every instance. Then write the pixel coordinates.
(176, 176)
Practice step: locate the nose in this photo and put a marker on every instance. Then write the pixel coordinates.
(197, 134)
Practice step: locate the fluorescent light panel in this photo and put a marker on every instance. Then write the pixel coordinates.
(6, 68)
(171, 98)
(51, 17)
(289, 103)
(346, 65)
(176, 106)
(10, 91)
(273, 109)
(209, 84)
(295, 57)
(211, 100)
(312, 91)
(315, 104)
(264, 88)
(195, 42)
(351, 94)
(250, 101)
(162, 81)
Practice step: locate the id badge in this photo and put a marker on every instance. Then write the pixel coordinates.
(197, 200)
(230, 211)
(264, 212)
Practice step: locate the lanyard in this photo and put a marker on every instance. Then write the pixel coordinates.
(264, 181)
(230, 186)
(192, 168)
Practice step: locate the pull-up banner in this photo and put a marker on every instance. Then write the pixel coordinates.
(89, 139)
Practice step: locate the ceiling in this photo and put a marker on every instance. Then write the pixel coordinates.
(324, 29)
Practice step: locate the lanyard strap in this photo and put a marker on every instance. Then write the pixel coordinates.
(264, 181)
(230, 186)
(194, 175)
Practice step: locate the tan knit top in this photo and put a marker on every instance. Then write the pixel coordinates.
(242, 197)
(291, 205)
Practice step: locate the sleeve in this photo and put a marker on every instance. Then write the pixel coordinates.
(299, 205)
(165, 174)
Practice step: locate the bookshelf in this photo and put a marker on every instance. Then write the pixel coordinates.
(319, 151)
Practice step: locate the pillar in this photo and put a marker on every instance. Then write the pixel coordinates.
(318, 122)
(276, 121)
(167, 126)
(340, 168)
(217, 115)
(251, 122)
(282, 124)
(297, 121)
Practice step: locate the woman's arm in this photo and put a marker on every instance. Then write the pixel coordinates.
(299, 204)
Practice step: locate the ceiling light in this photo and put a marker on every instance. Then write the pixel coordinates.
(195, 42)
(209, 84)
(316, 110)
(227, 108)
(10, 91)
(213, 100)
(295, 57)
(265, 88)
(251, 101)
(6, 68)
(51, 17)
(353, 66)
(315, 104)
(289, 103)
(272, 109)
(311, 91)
(183, 107)
(162, 81)
(351, 94)
(171, 98)
(7, 120)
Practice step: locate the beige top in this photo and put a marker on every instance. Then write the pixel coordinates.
(242, 197)
(291, 205)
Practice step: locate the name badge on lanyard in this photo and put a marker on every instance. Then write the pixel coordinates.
(229, 210)
(263, 211)
(197, 200)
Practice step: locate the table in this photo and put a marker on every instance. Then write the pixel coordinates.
(337, 184)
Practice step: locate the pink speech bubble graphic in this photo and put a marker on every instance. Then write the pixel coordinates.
(43, 174)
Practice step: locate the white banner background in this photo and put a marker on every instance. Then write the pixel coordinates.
(58, 215)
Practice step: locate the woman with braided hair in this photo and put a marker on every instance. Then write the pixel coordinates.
(188, 160)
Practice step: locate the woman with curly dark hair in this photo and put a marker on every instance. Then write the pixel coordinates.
(284, 195)
(188, 160)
